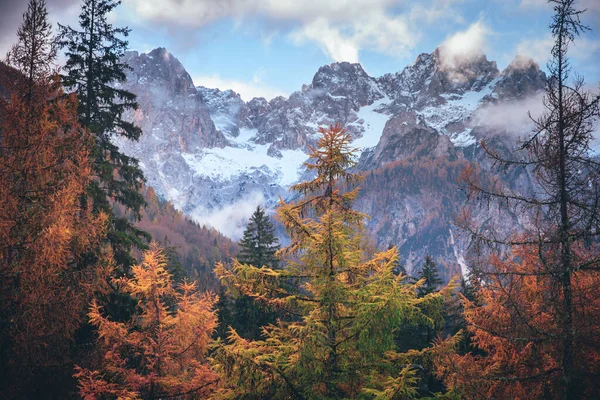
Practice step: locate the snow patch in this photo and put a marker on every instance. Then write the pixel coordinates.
(457, 108)
(229, 162)
(373, 123)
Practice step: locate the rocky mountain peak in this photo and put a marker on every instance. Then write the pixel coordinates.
(345, 80)
(161, 68)
(458, 74)
(523, 77)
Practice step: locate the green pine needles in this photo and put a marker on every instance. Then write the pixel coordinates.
(336, 337)
(93, 68)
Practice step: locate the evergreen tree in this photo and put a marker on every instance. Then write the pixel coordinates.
(93, 67)
(339, 339)
(258, 247)
(430, 277)
(35, 50)
(259, 244)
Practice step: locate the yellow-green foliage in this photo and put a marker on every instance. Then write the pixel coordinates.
(338, 339)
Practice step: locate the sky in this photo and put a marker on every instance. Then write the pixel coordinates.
(268, 48)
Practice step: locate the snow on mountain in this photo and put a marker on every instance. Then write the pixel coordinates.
(213, 155)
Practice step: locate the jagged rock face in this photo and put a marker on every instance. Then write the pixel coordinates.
(211, 153)
(406, 135)
(521, 78)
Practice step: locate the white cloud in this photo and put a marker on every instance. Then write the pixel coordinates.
(247, 90)
(591, 5)
(582, 49)
(536, 49)
(465, 45)
(231, 219)
(512, 117)
(329, 39)
(341, 28)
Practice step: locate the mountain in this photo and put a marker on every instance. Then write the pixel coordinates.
(215, 157)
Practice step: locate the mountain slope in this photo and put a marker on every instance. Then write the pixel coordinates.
(216, 157)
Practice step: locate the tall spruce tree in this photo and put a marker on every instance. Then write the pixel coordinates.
(93, 67)
(338, 341)
(259, 244)
(258, 247)
(430, 276)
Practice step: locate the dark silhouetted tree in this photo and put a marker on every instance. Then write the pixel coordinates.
(93, 71)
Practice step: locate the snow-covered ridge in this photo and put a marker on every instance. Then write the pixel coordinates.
(206, 149)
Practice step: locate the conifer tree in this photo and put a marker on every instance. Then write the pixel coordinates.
(162, 351)
(258, 247)
(259, 244)
(533, 315)
(430, 276)
(338, 341)
(93, 70)
(34, 52)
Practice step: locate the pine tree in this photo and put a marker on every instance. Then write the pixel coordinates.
(429, 275)
(93, 68)
(162, 351)
(338, 341)
(258, 247)
(35, 51)
(533, 316)
(259, 244)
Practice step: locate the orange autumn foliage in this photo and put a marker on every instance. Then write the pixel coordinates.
(162, 351)
(515, 327)
(47, 274)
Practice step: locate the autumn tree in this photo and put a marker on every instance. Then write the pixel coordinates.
(534, 315)
(93, 71)
(46, 280)
(161, 352)
(338, 338)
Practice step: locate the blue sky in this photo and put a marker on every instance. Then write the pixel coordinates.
(272, 47)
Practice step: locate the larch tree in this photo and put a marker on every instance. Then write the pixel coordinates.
(46, 232)
(34, 52)
(535, 316)
(93, 71)
(338, 340)
(162, 351)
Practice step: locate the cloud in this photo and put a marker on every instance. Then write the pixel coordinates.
(341, 28)
(465, 45)
(231, 219)
(591, 5)
(536, 49)
(247, 90)
(582, 49)
(512, 117)
(330, 40)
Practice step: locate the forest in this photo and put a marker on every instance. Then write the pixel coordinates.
(108, 292)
